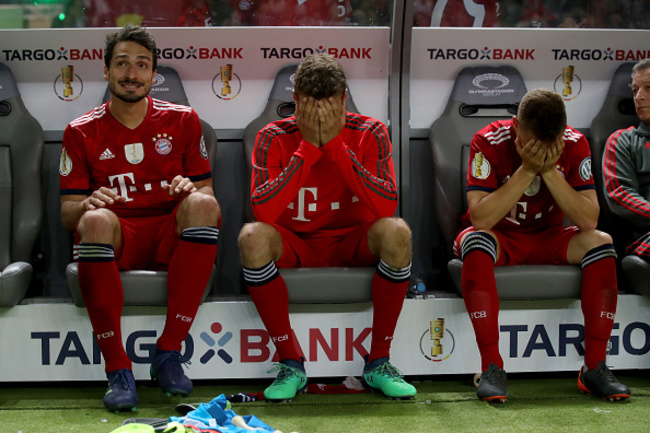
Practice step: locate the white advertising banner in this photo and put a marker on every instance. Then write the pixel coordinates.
(438, 54)
(227, 340)
(39, 58)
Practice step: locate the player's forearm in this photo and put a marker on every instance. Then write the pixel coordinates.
(381, 198)
(377, 190)
(580, 209)
(379, 194)
(630, 206)
(276, 185)
(71, 212)
(622, 191)
(493, 207)
(272, 198)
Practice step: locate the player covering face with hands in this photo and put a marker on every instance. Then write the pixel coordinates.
(524, 176)
(323, 193)
(320, 120)
(538, 156)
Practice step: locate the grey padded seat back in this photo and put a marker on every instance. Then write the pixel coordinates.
(6, 197)
(21, 213)
(618, 112)
(143, 287)
(305, 285)
(481, 95)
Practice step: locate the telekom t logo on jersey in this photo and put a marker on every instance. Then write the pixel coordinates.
(304, 206)
(121, 182)
(125, 188)
(301, 203)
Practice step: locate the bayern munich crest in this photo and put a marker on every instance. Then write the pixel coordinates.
(163, 144)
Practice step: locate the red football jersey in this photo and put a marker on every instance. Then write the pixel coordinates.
(346, 182)
(99, 151)
(494, 158)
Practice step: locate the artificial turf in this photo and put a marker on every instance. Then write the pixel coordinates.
(549, 402)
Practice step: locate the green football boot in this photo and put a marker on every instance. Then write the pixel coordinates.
(382, 376)
(291, 380)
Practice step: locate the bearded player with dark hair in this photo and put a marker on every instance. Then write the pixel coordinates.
(136, 189)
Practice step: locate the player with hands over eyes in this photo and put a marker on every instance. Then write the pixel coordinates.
(524, 176)
(323, 193)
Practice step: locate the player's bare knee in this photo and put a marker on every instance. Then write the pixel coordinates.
(255, 241)
(392, 240)
(585, 242)
(96, 225)
(596, 238)
(401, 234)
(202, 210)
(605, 238)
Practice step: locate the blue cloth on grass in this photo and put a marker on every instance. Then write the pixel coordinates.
(214, 416)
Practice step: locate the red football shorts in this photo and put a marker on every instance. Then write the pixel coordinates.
(346, 248)
(546, 247)
(146, 242)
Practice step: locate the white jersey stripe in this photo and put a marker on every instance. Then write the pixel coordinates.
(164, 105)
(96, 113)
(571, 136)
(498, 136)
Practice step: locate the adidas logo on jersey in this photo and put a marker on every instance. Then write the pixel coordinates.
(107, 154)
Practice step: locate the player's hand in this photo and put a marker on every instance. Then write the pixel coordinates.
(101, 198)
(180, 186)
(532, 154)
(553, 153)
(331, 113)
(307, 120)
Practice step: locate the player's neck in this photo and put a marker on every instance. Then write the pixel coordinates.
(129, 114)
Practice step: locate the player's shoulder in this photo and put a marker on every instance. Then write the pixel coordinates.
(497, 132)
(631, 136)
(632, 132)
(170, 107)
(362, 122)
(282, 126)
(572, 135)
(93, 115)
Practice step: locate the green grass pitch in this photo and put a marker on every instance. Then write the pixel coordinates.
(538, 403)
